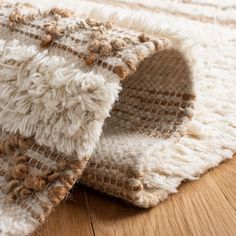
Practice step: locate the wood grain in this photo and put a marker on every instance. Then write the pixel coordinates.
(203, 207)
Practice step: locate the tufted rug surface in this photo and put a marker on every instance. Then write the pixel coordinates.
(128, 97)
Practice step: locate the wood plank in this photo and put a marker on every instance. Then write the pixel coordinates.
(206, 209)
(68, 219)
(225, 178)
(112, 217)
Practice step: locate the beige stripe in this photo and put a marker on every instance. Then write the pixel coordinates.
(80, 55)
(136, 6)
(183, 96)
(206, 4)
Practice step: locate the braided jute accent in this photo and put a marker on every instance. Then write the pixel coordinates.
(104, 40)
(29, 176)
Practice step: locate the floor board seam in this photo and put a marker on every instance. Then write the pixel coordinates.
(90, 218)
(231, 204)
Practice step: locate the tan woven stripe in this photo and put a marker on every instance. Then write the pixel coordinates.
(24, 183)
(132, 115)
(201, 18)
(114, 190)
(184, 96)
(157, 101)
(38, 165)
(129, 171)
(81, 56)
(107, 181)
(46, 152)
(22, 203)
(169, 112)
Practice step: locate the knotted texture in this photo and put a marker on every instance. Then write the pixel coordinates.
(60, 74)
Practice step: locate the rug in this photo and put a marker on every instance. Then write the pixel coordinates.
(145, 170)
(126, 97)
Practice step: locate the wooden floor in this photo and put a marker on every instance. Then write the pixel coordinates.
(204, 207)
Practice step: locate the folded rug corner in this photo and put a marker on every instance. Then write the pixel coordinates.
(115, 102)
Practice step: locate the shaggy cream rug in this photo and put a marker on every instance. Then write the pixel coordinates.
(172, 63)
(210, 137)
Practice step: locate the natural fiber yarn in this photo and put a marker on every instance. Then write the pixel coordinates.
(60, 75)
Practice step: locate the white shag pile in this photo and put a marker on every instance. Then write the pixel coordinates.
(211, 135)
